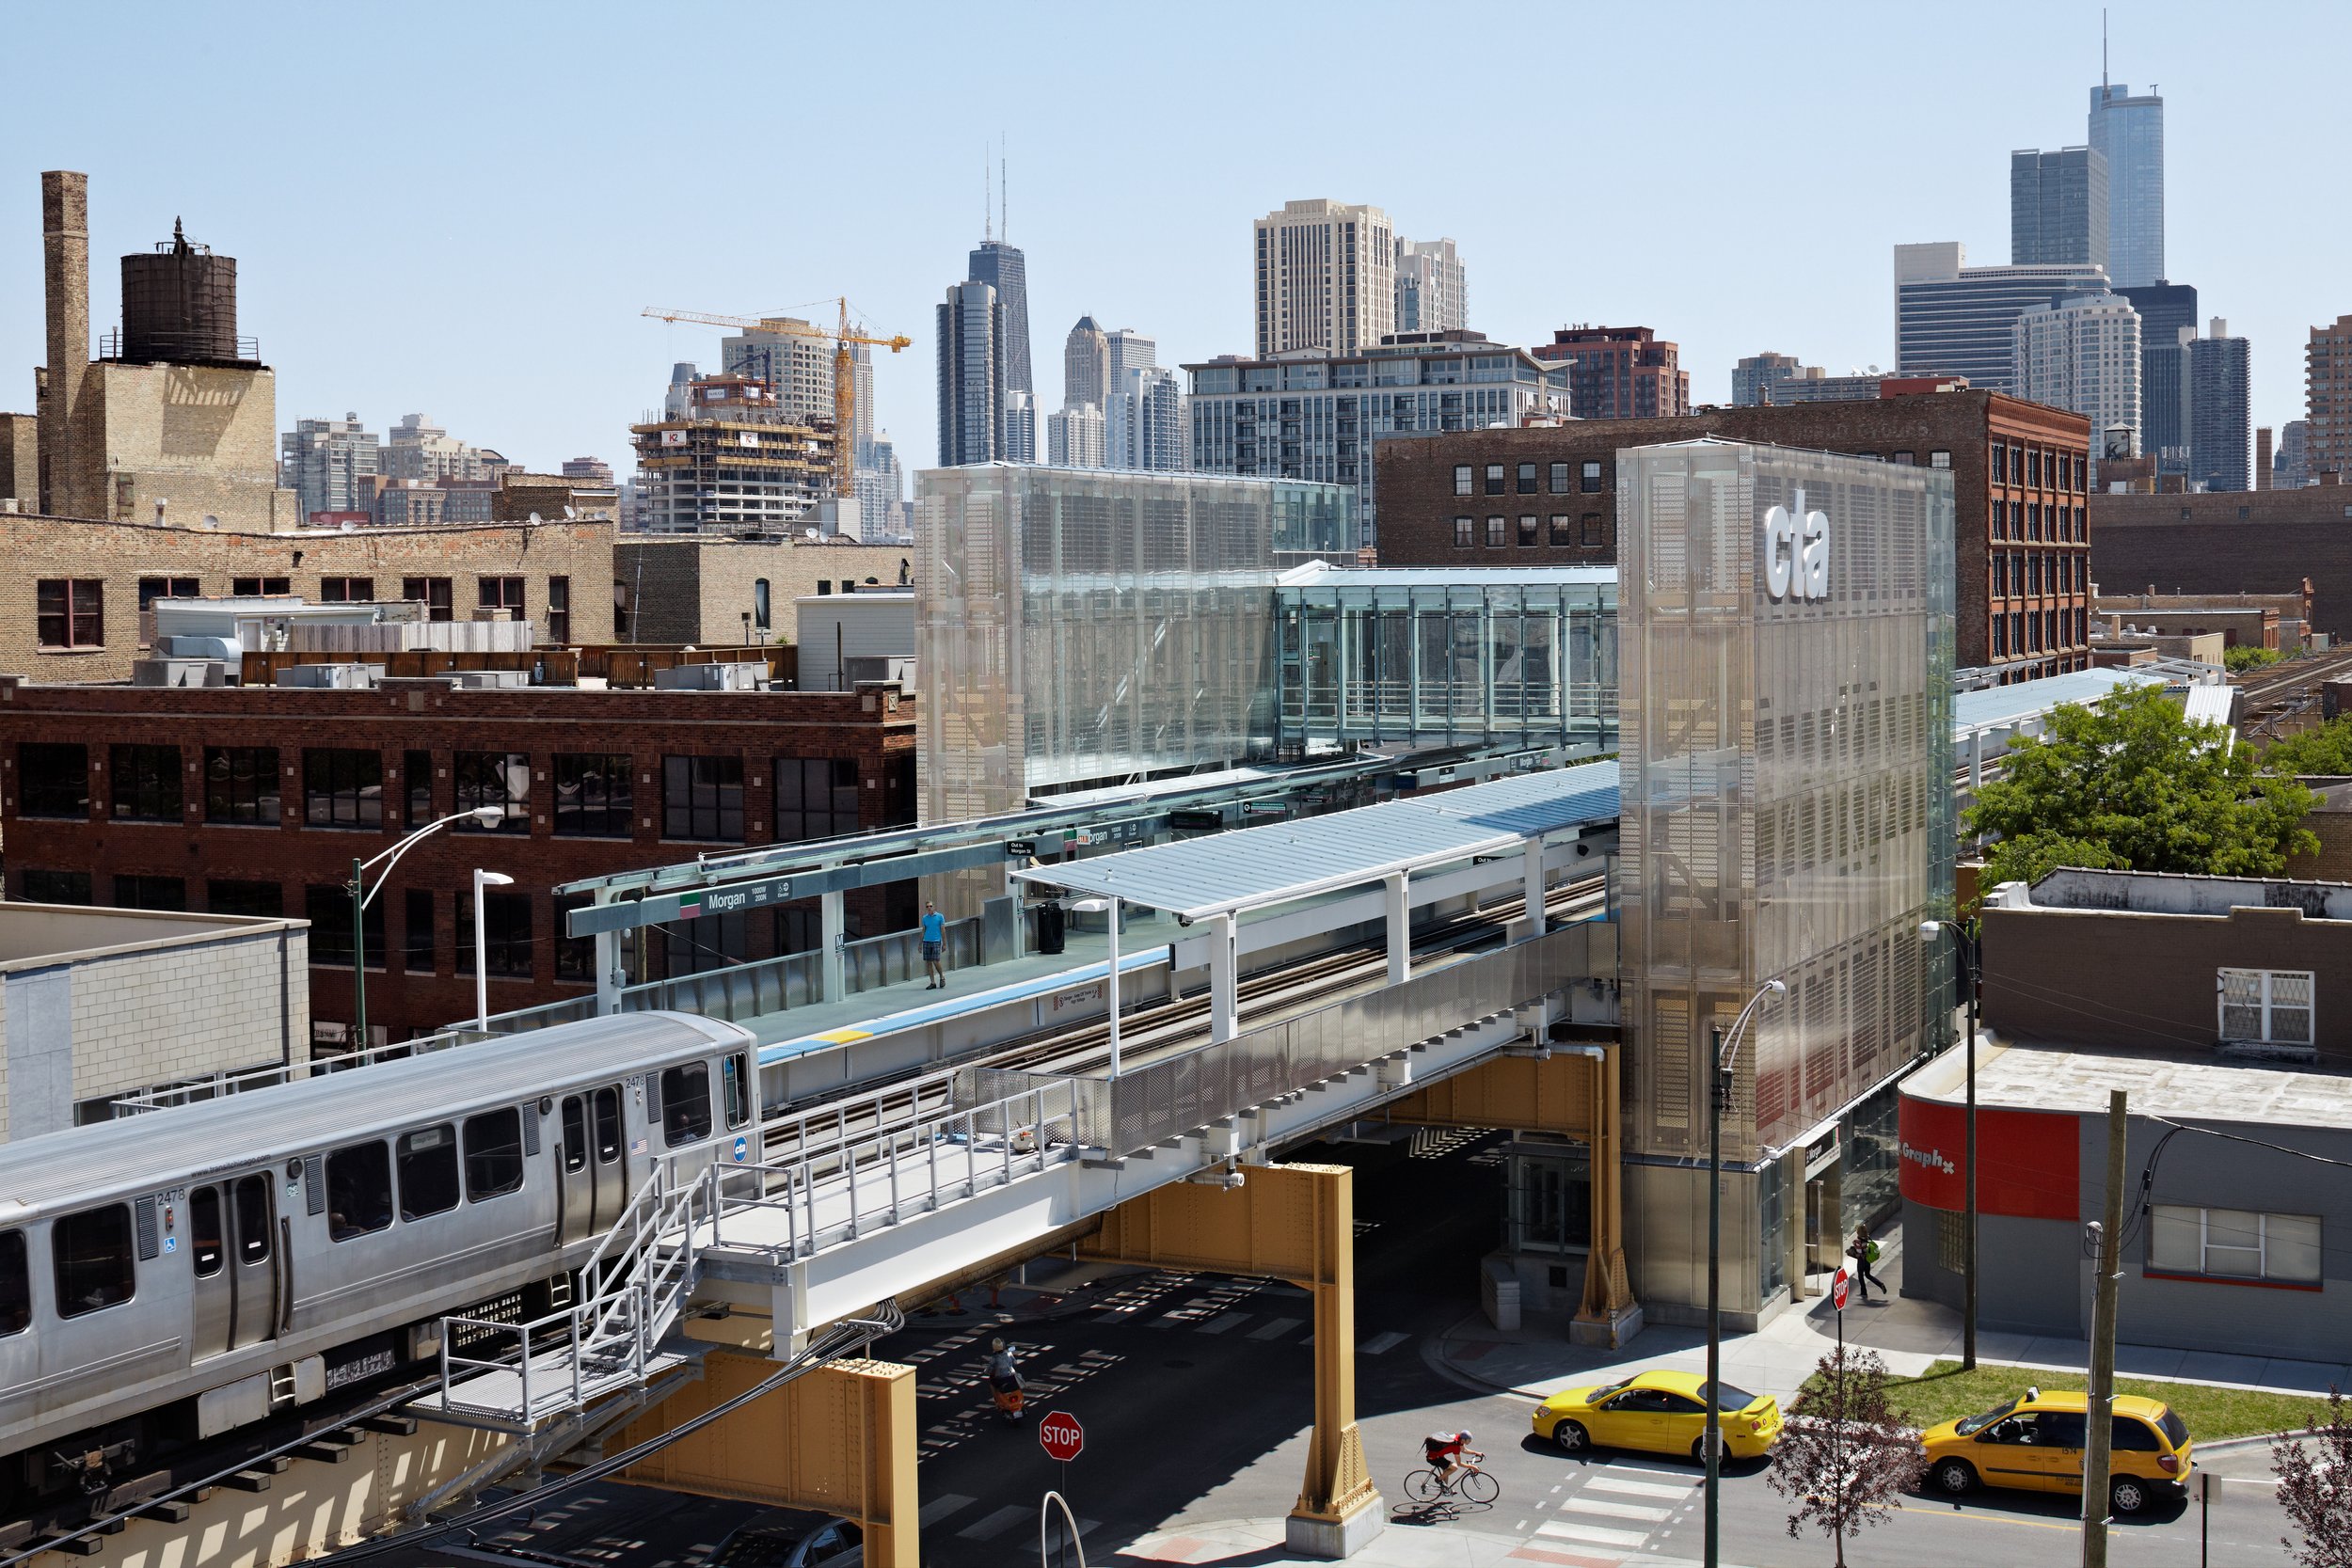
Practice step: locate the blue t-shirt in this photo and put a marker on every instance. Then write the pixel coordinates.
(935, 927)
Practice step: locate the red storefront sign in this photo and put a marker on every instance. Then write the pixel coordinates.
(2032, 1164)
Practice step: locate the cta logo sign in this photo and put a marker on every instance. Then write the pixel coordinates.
(1796, 551)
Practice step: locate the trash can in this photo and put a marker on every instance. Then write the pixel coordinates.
(1050, 921)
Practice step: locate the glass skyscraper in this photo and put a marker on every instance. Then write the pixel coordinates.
(1003, 267)
(1952, 319)
(2058, 208)
(2166, 311)
(2129, 133)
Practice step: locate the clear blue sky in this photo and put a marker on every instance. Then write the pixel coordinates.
(460, 209)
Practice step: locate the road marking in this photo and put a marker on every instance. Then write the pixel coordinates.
(1219, 1325)
(940, 1507)
(1637, 1488)
(995, 1524)
(1617, 1510)
(1275, 1329)
(2072, 1526)
(1380, 1344)
(1639, 1469)
(1591, 1535)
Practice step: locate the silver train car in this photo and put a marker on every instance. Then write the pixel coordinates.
(171, 1277)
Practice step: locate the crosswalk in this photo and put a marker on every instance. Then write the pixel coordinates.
(1623, 1505)
(949, 1512)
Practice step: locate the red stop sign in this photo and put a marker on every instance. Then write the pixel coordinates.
(1840, 1289)
(1061, 1437)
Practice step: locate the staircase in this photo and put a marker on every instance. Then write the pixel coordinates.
(517, 1377)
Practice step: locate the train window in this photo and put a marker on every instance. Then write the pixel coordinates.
(204, 1230)
(252, 1198)
(608, 1126)
(494, 1154)
(575, 1132)
(428, 1171)
(16, 1284)
(358, 1191)
(685, 1104)
(731, 1072)
(92, 1251)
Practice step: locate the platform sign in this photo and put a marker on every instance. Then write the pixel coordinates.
(1061, 1437)
(1840, 1289)
(1021, 848)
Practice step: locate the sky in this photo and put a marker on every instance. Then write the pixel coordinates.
(461, 210)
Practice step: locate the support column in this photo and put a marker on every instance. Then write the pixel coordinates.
(1400, 924)
(835, 922)
(1532, 882)
(607, 971)
(1339, 1510)
(1608, 1315)
(1224, 1004)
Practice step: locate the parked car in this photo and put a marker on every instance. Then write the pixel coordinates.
(2034, 1442)
(791, 1538)
(1661, 1412)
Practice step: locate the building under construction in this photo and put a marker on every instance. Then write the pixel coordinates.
(735, 461)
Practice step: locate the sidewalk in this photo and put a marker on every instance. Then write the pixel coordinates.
(1405, 1543)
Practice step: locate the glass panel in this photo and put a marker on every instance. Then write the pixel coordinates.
(2176, 1240)
(358, 1191)
(2233, 1242)
(16, 1284)
(204, 1235)
(2291, 1247)
(428, 1171)
(494, 1154)
(253, 1238)
(685, 1104)
(92, 1254)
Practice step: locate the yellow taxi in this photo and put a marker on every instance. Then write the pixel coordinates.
(2035, 1442)
(1658, 1411)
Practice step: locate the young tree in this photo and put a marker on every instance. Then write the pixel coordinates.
(1844, 1459)
(2315, 1488)
(2132, 785)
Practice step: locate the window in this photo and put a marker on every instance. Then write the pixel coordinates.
(207, 1241)
(358, 1191)
(1498, 533)
(152, 589)
(685, 1104)
(815, 798)
(150, 893)
(1906, 460)
(575, 956)
(1591, 481)
(1561, 533)
(1559, 479)
(1528, 535)
(560, 610)
(500, 593)
(428, 1171)
(1465, 532)
(328, 910)
(593, 795)
(608, 1118)
(417, 931)
(264, 900)
(251, 1197)
(52, 779)
(1939, 459)
(2234, 1243)
(70, 612)
(1462, 479)
(2000, 464)
(734, 1073)
(343, 788)
(53, 887)
(92, 1252)
(346, 590)
(416, 769)
(1593, 535)
(1527, 479)
(506, 935)
(499, 779)
(575, 1134)
(494, 1153)
(260, 588)
(2266, 1005)
(432, 592)
(147, 785)
(703, 797)
(240, 783)
(1494, 479)
(16, 1284)
(2000, 575)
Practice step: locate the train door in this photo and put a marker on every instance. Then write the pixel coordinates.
(234, 1295)
(609, 1148)
(213, 1302)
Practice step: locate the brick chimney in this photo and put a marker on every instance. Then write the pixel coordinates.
(65, 273)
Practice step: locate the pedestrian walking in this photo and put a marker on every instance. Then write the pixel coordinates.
(1865, 1252)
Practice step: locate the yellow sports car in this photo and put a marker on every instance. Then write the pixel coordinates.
(1661, 1412)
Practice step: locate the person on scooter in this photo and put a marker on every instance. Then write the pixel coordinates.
(1004, 1377)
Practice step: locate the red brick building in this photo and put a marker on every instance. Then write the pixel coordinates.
(256, 799)
(2229, 542)
(1546, 495)
(1619, 372)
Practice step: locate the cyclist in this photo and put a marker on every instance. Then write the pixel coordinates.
(1448, 1452)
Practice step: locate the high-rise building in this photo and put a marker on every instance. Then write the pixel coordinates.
(2082, 354)
(1073, 436)
(2058, 208)
(1005, 269)
(881, 490)
(1084, 365)
(971, 375)
(2328, 401)
(1755, 378)
(1952, 319)
(418, 450)
(1432, 289)
(796, 366)
(592, 471)
(733, 462)
(330, 465)
(2264, 461)
(1326, 277)
(1020, 427)
(2168, 318)
(2129, 133)
(2291, 469)
(1619, 372)
(2220, 417)
(1146, 421)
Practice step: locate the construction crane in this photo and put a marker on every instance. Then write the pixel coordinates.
(844, 377)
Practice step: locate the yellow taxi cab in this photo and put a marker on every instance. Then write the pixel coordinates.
(2035, 1444)
(1658, 1411)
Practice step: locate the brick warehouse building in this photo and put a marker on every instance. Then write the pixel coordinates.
(1546, 495)
(2232, 542)
(255, 800)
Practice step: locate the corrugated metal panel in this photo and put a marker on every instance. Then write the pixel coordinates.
(2009, 705)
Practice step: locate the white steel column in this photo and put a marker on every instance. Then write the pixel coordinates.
(1533, 874)
(1114, 985)
(607, 971)
(834, 919)
(1223, 1002)
(1399, 922)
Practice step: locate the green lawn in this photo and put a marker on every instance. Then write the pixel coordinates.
(1943, 1392)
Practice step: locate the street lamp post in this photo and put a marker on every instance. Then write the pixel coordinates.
(1718, 1092)
(482, 946)
(1110, 907)
(363, 895)
(1972, 954)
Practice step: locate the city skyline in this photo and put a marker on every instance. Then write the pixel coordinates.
(444, 314)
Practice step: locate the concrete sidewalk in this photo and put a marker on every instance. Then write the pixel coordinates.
(1405, 1543)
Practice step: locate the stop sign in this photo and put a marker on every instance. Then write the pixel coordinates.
(1061, 1437)
(1840, 1289)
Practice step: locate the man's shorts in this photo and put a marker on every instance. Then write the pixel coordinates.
(930, 951)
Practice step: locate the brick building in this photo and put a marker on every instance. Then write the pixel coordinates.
(2232, 542)
(1619, 372)
(255, 800)
(1546, 495)
(725, 592)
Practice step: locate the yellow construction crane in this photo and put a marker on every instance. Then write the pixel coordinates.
(844, 378)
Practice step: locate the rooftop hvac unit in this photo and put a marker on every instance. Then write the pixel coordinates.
(332, 677)
(743, 675)
(182, 671)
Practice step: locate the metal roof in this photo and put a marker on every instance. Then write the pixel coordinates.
(1297, 860)
(1996, 708)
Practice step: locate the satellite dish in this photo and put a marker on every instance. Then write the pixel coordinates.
(569, 515)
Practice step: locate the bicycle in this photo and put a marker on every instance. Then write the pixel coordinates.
(1471, 1483)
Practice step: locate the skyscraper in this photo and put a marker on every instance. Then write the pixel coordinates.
(2167, 316)
(971, 375)
(2220, 421)
(330, 465)
(2058, 208)
(2328, 400)
(797, 366)
(1326, 277)
(1620, 372)
(1073, 436)
(2129, 133)
(1020, 427)
(1083, 370)
(2083, 355)
(1432, 289)
(1127, 350)
(1757, 378)
(1952, 319)
(1005, 269)
(2290, 470)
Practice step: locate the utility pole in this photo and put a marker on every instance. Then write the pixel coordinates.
(2098, 1408)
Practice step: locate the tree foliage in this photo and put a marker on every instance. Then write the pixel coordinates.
(2134, 785)
(2325, 751)
(1844, 1458)
(2315, 1489)
(2248, 656)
